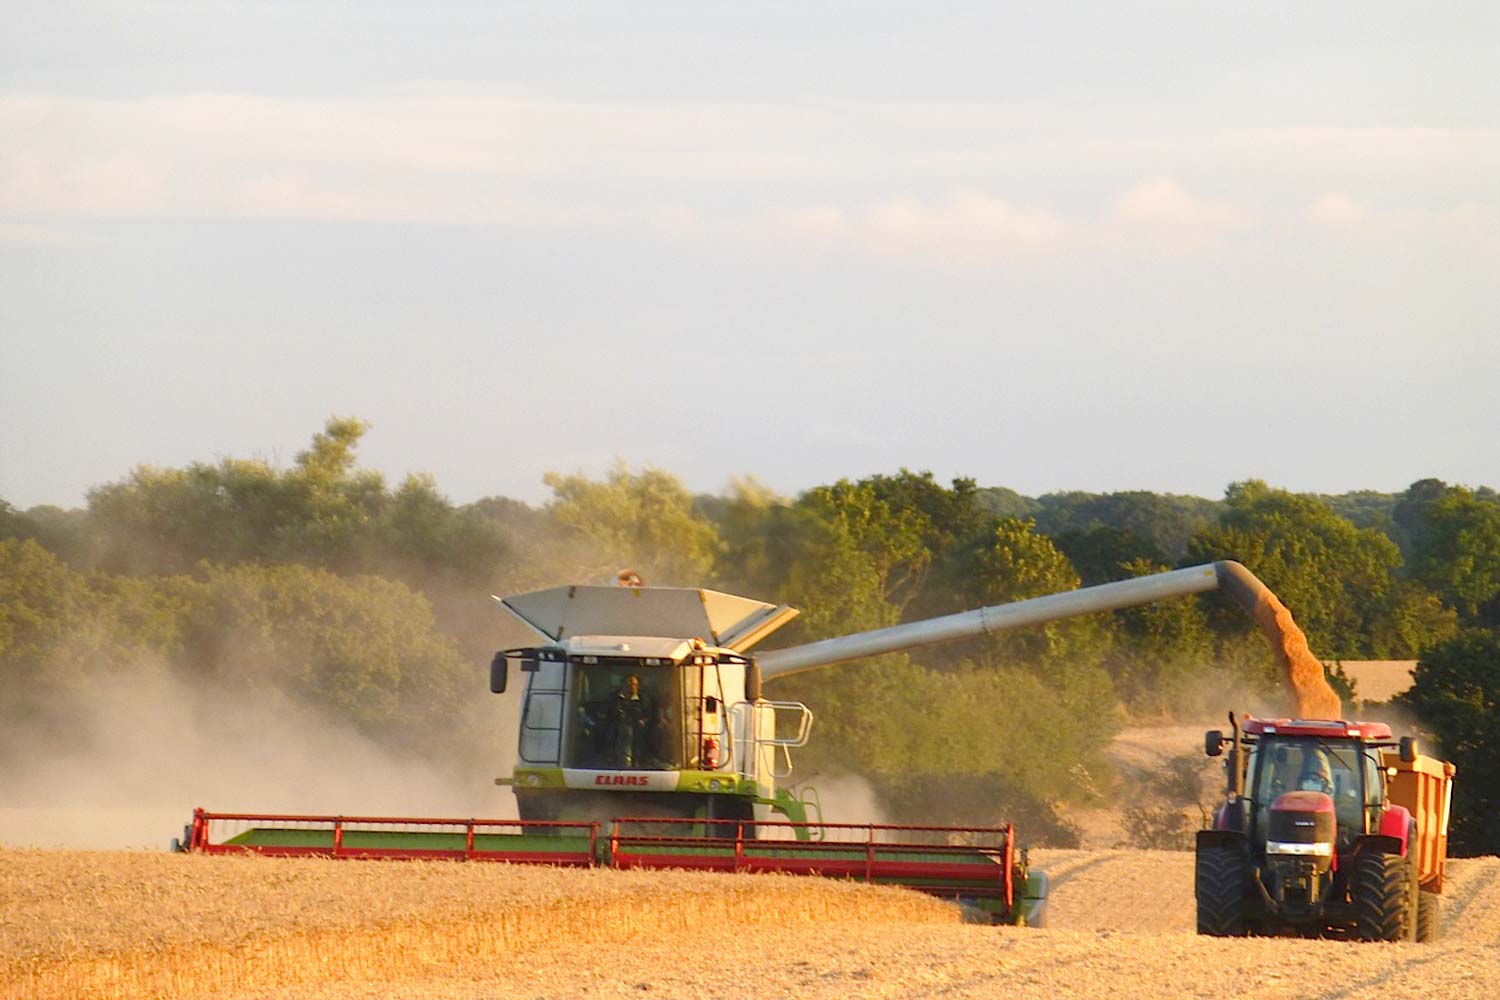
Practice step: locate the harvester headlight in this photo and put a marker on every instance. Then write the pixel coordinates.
(532, 779)
(713, 784)
(1322, 850)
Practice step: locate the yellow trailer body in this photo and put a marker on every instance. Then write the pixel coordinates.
(1425, 787)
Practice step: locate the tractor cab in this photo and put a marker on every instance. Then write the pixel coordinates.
(1312, 790)
(1340, 775)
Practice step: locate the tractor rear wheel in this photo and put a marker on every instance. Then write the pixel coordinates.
(1381, 891)
(1429, 915)
(1219, 884)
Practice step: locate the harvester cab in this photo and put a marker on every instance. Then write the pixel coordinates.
(643, 702)
(1327, 827)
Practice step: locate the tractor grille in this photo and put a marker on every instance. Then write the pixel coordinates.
(1290, 827)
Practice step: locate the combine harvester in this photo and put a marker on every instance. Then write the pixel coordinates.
(645, 742)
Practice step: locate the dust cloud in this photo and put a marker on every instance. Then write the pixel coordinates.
(848, 798)
(136, 756)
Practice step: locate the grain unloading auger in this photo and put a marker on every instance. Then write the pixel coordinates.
(645, 741)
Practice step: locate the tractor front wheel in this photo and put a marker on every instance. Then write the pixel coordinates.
(1219, 884)
(1381, 890)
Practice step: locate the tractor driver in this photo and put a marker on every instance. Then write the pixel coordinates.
(1317, 774)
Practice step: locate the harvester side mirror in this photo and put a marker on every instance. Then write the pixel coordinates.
(1213, 743)
(1408, 749)
(497, 673)
(711, 705)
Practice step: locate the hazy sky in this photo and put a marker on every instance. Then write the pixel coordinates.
(1134, 245)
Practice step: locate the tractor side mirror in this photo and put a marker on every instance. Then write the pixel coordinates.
(1408, 749)
(1213, 743)
(497, 673)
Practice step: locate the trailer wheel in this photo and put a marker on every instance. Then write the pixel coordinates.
(1429, 915)
(1219, 885)
(1381, 890)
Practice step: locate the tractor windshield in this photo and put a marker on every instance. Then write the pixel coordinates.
(622, 717)
(1334, 767)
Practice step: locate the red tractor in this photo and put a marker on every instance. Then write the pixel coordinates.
(1329, 828)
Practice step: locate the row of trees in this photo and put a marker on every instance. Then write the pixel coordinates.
(325, 584)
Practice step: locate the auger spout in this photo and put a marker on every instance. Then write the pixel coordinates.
(1303, 671)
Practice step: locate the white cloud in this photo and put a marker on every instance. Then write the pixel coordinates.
(967, 226)
(959, 182)
(1338, 211)
(970, 227)
(1162, 211)
(1471, 217)
(964, 227)
(1437, 143)
(817, 224)
(1466, 219)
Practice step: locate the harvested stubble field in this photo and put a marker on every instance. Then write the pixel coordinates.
(84, 924)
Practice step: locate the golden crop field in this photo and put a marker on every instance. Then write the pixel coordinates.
(123, 924)
(119, 924)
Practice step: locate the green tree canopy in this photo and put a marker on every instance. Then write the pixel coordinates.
(1103, 553)
(362, 649)
(1453, 546)
(1456, 694)
(1161, 650)
(1338, 580)
(322, 511)
(1013, 562)
(1162, 522)
(643, 521)
(870, 556)
(359, 649)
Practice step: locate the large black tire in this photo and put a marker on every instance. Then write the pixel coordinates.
(1381, 890)
(1429, 916)
(1220, 881)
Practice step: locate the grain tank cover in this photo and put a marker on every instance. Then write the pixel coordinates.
(725, 620)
